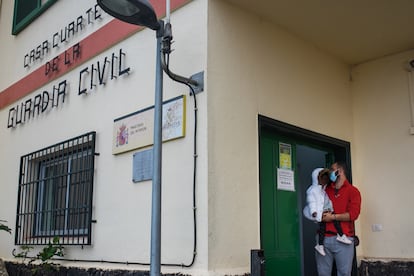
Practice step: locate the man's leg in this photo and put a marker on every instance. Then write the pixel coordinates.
(344, 257)
(324, 263)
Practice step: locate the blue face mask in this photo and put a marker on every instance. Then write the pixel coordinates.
(333, 176)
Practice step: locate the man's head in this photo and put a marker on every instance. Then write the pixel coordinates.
(338, 171)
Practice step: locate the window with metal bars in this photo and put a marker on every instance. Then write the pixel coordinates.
(55, 193)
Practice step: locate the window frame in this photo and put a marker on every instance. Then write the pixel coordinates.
(43, 166)
(31, 16)
(56, 192)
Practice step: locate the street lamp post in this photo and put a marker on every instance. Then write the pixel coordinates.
(157, 172)
(140, 12)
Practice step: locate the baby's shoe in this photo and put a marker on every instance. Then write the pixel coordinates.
(343, 239)
(320, 249)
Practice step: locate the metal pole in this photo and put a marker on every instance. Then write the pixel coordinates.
(167, 11)
(157, 159)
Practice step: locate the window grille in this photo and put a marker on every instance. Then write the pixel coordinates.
(25, 11)
(55, 193)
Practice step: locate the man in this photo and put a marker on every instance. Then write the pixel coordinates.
(346, 200)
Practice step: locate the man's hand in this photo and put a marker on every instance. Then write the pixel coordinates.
(328, 217)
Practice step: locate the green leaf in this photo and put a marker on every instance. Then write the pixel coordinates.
(4, 227)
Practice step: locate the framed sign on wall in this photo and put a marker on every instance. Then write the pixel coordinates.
(136, 130)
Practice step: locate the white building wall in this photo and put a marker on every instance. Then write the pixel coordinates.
(122, 208)
(6, 21)
(256, 67)
(383, 159)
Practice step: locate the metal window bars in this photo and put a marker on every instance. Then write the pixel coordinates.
(55, 193)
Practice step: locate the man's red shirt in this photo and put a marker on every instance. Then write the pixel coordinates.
(346, 199)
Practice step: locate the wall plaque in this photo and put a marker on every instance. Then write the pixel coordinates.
(136, 130)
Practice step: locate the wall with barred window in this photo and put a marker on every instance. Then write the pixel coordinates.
(71, 71)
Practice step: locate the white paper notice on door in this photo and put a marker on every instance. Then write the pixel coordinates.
(285, 180)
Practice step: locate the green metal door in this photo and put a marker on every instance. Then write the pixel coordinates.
(285, 236)
(280, 216)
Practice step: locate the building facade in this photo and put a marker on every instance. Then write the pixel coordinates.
(76, 120)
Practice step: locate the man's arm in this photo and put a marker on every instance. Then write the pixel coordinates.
(328, 217)
(354, 208)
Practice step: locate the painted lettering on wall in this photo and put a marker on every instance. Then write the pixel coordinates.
(69, 56)
(37, 105)
(62, 36)
(98, 73)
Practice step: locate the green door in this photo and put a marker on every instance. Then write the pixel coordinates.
(286, 238)
(279, 206)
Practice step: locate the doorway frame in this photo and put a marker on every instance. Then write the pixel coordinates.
(341, 150)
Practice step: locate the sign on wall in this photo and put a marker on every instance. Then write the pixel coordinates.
(142, 164)
(285, 156)
(285, 174)
(136, 130)
(285, 180)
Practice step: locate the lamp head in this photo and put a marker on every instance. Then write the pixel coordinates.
(137, 12)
